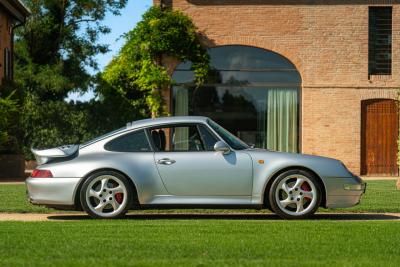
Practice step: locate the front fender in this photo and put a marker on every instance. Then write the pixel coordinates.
(267, 163)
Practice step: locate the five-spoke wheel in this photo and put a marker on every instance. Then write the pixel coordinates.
(295, 194)
(106, 195)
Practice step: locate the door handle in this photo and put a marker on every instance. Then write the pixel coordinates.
(166, 161)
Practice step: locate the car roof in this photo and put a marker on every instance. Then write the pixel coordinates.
(165, 120)
(148, 123)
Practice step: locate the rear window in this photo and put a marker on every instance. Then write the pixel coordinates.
(132, 142)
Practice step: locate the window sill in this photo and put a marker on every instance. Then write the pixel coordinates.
(382, 77)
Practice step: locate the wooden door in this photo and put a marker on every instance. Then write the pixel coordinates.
(380, 130)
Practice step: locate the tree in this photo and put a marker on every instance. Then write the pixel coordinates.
(58, 43)
(53, 54)
(163, 32)
(8, 111)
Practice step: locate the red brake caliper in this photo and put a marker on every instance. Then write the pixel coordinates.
(119, 197)
(306, 187)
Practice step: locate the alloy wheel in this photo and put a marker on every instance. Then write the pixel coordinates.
(106, 196)
(296, 195)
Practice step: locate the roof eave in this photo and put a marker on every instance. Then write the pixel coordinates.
(17, 9)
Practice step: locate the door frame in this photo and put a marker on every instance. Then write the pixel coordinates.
(363, 135)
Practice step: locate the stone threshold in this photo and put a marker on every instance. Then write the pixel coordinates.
(369, 178)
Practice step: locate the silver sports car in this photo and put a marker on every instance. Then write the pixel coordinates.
(186, 162)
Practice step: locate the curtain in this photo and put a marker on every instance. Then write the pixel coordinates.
(181, 134)
(282, 120)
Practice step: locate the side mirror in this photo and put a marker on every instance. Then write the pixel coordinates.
(222, 147)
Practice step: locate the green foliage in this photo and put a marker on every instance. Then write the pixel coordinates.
(53, 123)
(8, 111)
(53, 52)
(58, 43)
(138, 67)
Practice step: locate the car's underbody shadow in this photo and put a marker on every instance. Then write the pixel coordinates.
(236, 216)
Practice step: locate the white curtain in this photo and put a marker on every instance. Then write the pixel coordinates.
(282, 120)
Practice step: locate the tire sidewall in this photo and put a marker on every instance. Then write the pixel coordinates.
(274, 205)
(84, 188)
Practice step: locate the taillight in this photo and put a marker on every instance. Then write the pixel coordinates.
(41, 174)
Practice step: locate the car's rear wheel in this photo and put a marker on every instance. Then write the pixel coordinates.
(295, 194)
(106, 194)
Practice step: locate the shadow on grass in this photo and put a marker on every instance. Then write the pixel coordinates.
(242, 216)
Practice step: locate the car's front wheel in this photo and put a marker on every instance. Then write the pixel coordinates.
(106, 194)
(295, 194)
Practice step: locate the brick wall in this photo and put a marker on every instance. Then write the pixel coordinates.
(328, 43)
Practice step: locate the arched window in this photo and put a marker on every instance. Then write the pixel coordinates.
(252, 92)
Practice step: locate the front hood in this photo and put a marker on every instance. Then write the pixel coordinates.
(323, 166)
(287, 154)
(47, 155)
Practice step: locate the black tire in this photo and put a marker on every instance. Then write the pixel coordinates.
(284, 213)
(129, 195)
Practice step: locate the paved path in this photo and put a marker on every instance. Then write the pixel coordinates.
(200, 216)
(2, 183)
(379, 178)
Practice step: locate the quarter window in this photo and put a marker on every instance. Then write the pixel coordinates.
(132, 142)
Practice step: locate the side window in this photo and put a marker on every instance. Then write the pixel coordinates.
(179, 138)
(208, 138)
(132, 142)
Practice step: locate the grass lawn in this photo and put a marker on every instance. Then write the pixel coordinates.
(381, 196)
(227, 241)
(200, 243)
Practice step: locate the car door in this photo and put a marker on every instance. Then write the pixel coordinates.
(189, 166)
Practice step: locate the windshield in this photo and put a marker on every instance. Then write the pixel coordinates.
(229, 138)
(101, 137)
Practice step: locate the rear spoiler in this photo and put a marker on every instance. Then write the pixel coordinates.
(47, 155)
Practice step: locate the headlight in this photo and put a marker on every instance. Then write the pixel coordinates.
(356, 187)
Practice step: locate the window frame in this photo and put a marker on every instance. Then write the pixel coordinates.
(7, 64)
(189, 85)
(128, 133)
(372, 54)
(182, 124)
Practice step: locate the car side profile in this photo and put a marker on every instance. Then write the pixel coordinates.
(186, 162)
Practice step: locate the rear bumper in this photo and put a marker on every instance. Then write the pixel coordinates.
(52, 191)
(344, 192)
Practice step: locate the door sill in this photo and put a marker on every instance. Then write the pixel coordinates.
(201, 206)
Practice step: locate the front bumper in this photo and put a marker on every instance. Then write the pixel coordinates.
(344, 192)
(52, 191)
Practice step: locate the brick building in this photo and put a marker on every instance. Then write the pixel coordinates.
(310, 76)
(12, 14)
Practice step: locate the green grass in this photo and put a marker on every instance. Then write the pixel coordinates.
(195, 241)
(200, 243)
(14, 200)
(381, 196)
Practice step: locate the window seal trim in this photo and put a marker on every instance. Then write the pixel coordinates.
(184, 123)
